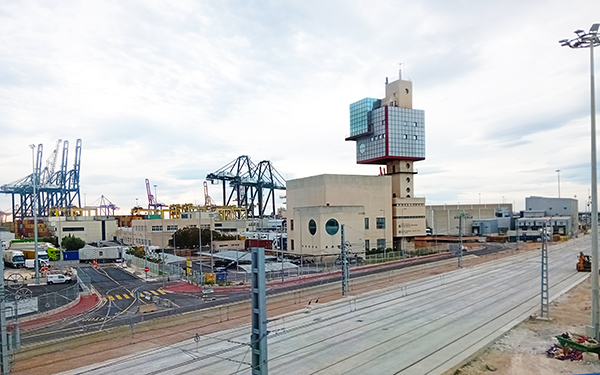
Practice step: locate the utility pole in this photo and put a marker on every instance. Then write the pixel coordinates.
(258, 338)
(344, 259)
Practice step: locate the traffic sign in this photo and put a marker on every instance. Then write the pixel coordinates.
(146, 269)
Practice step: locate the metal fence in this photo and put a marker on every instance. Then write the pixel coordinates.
(311, 265)
(172, 271)
(53, 300)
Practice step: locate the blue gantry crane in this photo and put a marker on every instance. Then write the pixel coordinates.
(252, 186)
(53, 189)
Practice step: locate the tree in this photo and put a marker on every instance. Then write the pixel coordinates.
(187, 238)
(72, 243)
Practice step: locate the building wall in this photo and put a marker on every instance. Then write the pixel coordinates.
(88, 228)
(350, 200)
(443, 221)
(158, 232)
(554, 207)
(409, 217)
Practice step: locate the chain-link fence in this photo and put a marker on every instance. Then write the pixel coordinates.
(171, 271)
(53, 300)
(85, 281)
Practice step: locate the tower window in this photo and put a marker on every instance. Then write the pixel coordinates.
(407, 179)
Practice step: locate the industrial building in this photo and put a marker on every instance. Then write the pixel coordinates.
(376, 211)
(561, 215)
(478, 219)
(88, 228)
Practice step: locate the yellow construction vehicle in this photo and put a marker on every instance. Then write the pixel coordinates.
(584, 264)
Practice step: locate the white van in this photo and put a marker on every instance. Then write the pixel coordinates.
(30, 263)
(58, 279)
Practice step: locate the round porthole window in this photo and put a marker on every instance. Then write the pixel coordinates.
(408, 165)
(407, 179)
(312, 227)
(332, 226)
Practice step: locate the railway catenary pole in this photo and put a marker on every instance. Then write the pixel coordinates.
(590, 40)
(281, 248)
(3, 335)
(258, 338)
(345, 270)
(544, 309)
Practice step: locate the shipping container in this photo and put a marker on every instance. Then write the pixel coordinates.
(254, 242)
(71, 255)
(113, 253)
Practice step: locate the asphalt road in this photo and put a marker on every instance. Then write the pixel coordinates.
(420, 327)
(111, 281)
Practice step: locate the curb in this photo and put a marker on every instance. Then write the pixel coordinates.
(58, 310)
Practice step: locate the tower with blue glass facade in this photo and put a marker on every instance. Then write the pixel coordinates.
(390, 132)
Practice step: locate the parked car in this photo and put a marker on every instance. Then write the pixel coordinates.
(58, 279)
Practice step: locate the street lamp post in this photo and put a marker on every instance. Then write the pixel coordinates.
(558, 172)
(34, 206)
(590, 40)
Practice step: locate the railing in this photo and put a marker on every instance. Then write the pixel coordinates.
(53, 300)
(171, 271)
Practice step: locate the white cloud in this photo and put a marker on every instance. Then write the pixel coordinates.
(173, 91)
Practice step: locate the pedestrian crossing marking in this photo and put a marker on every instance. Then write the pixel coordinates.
(94, 319)
(142, 293)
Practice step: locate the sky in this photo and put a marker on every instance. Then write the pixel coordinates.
(172, 91)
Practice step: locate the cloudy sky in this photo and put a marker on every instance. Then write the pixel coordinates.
(171, 91)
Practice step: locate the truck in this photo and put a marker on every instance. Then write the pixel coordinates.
(53, 253)
(14, 258)
(30, 254)
(101, 254)
(30, 263)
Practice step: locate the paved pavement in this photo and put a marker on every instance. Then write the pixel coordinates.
(421, 327)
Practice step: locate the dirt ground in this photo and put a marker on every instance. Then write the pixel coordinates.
(522, 350)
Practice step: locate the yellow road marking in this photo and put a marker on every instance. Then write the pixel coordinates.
(111, 298)
(119, 297)
(153, 292)
(162, 291)
(126, 296)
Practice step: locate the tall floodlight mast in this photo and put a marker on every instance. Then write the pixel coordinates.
(591, 40)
